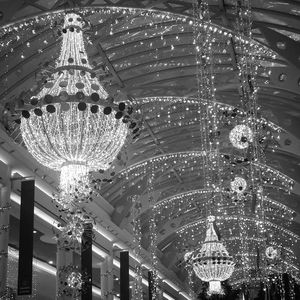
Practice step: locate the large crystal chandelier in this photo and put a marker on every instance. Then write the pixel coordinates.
(211, 262)
(68, 127)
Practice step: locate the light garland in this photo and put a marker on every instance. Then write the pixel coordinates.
(164, 161)
(236, 218)
(137, 291)
(13, 30)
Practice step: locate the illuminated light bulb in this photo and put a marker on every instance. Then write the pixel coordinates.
(240, 136)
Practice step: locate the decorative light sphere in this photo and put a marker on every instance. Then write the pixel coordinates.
(238, 185)
(211, 262)
(240, 136)
(187, 256)
(271, 252)
(74, 280)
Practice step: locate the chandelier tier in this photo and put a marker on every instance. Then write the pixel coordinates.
(211, 262)
(72, 125)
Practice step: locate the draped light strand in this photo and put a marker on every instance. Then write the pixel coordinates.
(137, 291)
(153, 232)
(209, 124)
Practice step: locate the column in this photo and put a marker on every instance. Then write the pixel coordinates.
(107, 279)
(5, 191)
(64, 258)
(86, 261)
(110, 275)
(104, 290)
(124, 275)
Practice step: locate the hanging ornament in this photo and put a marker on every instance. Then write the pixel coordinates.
(271, 252)
(238, 185)
(211, 262)
(240, 136)
(74, 280)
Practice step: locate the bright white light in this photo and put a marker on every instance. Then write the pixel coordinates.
(185, 296)
(103, 233)
(37, 263)
(166, 296)
(99, 252)
(240, 136)
(238, 185)
(215, 288)
(145, 282)
(73, 176)
(38, 212)
(172, 285)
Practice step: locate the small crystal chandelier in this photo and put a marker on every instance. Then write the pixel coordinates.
(211, 262)
(70, 126)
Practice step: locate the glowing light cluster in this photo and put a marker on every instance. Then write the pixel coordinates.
(74, 280)
(211, 262)
(271, 252)
(73, 137)
(238, 185)
(240, 136)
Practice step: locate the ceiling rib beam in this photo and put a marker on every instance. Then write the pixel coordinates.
(36, 5)
(109, 65)
(231, 45)
(161, 150)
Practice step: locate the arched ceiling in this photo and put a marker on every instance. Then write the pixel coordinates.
(149, 57)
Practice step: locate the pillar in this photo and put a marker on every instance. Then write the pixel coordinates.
(64, 258)
(86, 261)
(107, 279)
(124, 275)
(104, 289)
(5, 204)
(110, 275)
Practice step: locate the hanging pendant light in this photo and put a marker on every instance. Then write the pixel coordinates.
(211, 262)
(68, 130)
